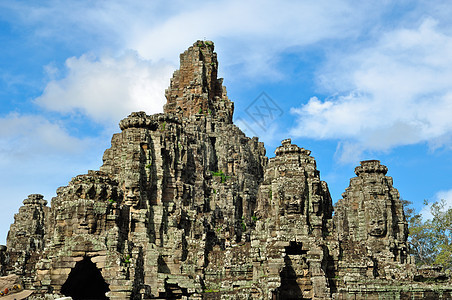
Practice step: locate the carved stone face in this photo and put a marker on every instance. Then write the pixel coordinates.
(77, 217)
(131, 193)
(376, 221)
(294, 204)
(292, 195)
(377, 227)
(87, 220)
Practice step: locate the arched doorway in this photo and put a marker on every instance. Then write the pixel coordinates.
(85, 282)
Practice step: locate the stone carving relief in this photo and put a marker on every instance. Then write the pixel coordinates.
(376, 216)
(187, 207)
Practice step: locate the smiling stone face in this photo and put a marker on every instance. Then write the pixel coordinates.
(87, 220)
(131, 193)
(376, 219)
(77, 217)
(377, 227)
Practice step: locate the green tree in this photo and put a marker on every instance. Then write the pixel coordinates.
(440, 227)
(430, 240)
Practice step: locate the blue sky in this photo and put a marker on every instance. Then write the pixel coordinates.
(352, 80)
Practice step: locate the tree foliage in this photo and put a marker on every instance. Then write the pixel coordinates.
(430, 240)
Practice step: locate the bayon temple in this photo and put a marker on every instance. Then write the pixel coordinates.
(185, 206)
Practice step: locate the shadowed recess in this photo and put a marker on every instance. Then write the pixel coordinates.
(85, 282)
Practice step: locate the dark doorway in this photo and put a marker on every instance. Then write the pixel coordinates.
(289, 289)
(85, 282)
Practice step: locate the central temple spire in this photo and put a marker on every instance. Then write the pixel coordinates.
(195, 88)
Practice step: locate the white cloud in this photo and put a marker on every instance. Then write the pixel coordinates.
(396, 92)
(106, 88)
(28, 136)
(109, 88)
(32, 145)
(38, 156)
(445, 195)
(251, 33)
(83, 23)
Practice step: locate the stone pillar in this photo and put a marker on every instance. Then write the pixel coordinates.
(25, 239)
(371, 226)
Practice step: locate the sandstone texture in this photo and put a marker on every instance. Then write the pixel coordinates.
(185, 206)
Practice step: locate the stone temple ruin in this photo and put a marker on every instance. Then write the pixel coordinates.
(185, 206)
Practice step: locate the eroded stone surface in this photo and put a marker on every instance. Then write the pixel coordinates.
(195, 88)
(25, 240)
(371, 226)
(185, 206)
(294, 212)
